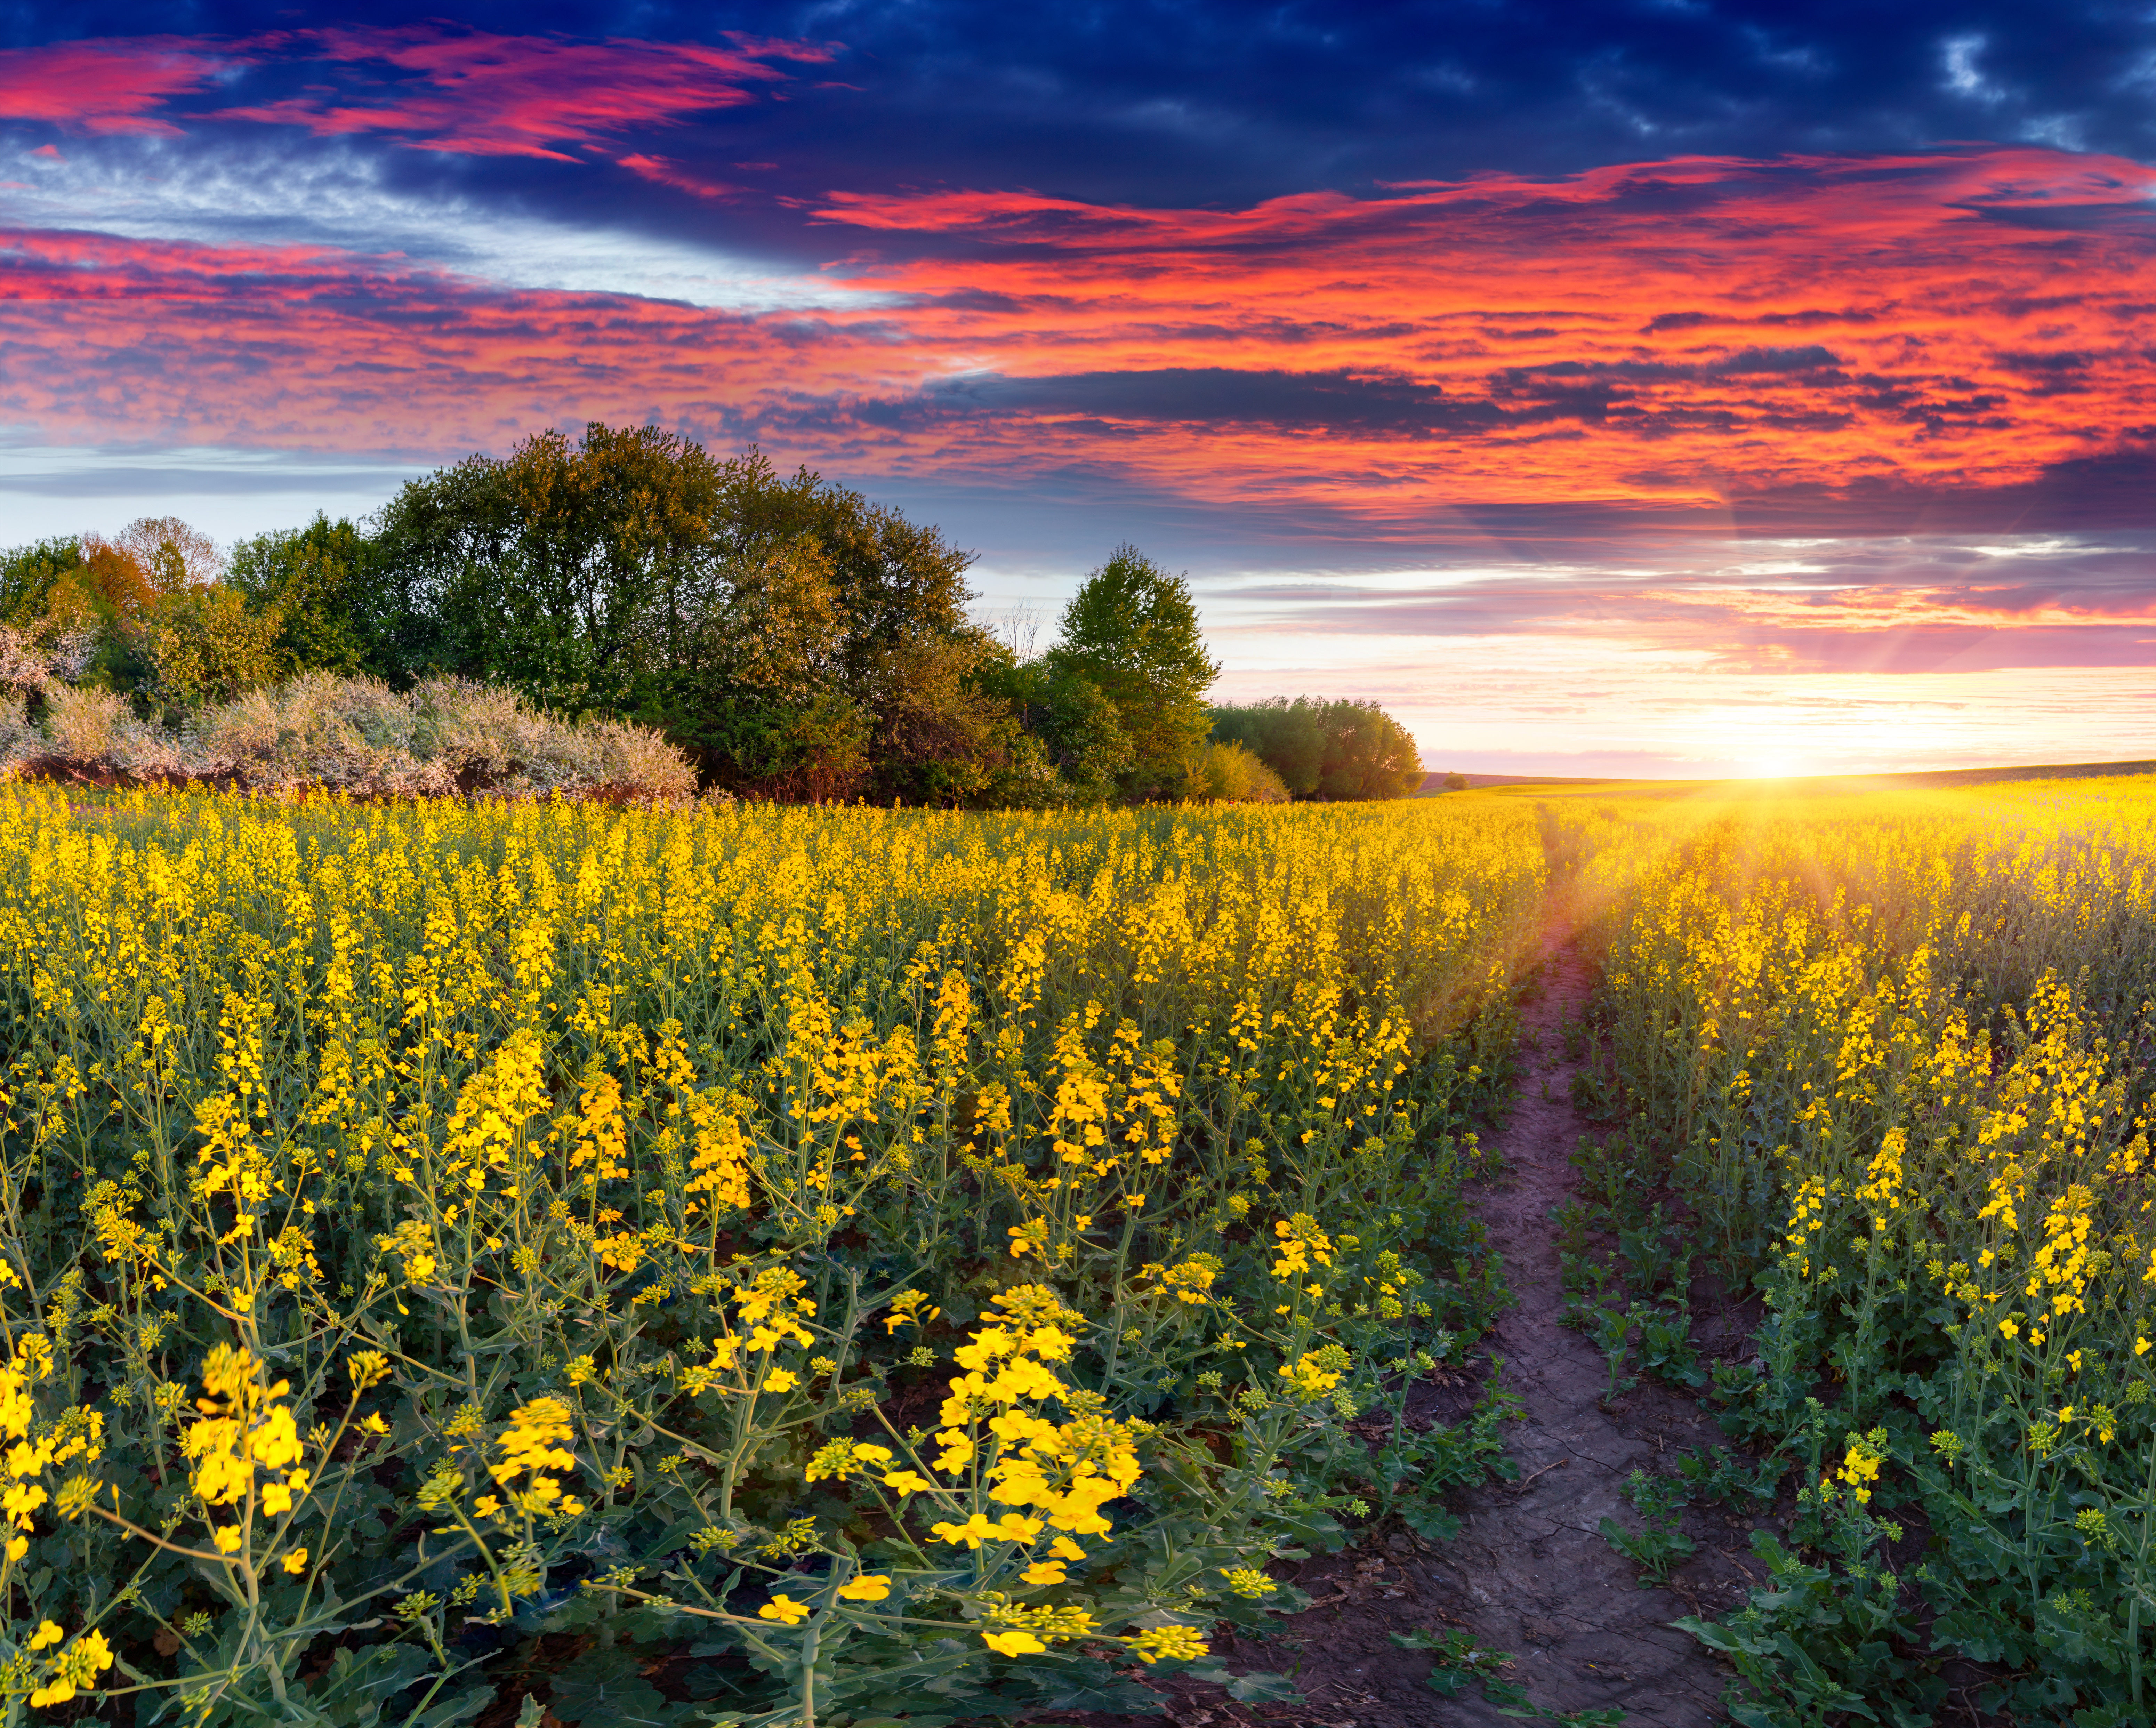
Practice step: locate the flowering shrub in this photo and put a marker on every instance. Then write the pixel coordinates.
(905, 1263)
(352, 735)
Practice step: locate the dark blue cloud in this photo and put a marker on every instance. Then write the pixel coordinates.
(1211, 102)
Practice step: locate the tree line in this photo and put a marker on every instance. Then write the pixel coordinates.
(797, 640)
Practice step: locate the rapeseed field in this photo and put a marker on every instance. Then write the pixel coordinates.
(868, 1267)
(911, 1264)
(1893, 1054)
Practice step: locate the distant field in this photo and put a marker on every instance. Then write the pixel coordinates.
(1433, 784)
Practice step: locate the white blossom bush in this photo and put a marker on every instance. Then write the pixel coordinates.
(353, 734)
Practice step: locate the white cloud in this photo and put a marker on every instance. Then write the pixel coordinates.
(1962, 75)
(333, 195)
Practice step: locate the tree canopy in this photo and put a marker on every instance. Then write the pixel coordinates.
(1325, 750)
(797, 639)
(1132, 630)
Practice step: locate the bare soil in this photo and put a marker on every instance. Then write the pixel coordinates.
(1530, 1574)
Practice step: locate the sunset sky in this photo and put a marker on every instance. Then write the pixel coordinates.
(1670, 388)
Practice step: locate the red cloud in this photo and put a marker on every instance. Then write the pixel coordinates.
(465, 91)
(106, 86)
(116, 340)
(481, 95)
(1681, 336)
(665, 170)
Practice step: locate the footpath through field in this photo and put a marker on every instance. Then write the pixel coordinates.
(1530, 1573)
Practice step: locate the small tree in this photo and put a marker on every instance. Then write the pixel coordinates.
(1369, 756)
(1133, 631)
(172, 556)
(29, 574)
(206, 646)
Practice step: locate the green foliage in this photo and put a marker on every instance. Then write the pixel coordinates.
(1817, 1644)
(797, 639)
(1228, 774)
(1083, 746)
(1660, 1545)
(317, 582)
(1132, 629)
(205, 645)
(1458, 1662)
(1625, 1267)
(1711, 1474)
(30, 574)
(1326, 749)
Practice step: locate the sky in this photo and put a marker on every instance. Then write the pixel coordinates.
(1614, 386)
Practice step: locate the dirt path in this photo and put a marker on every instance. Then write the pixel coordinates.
(1531, 1573)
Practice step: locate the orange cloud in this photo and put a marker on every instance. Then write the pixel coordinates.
(1687, 336)
(1672, 332)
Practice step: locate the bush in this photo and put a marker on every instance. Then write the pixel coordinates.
(82, 726)
(1229, 774)
(358, 736)
(445, 735)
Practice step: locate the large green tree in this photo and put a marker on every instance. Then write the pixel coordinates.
(798, 639)
(1132, 630)
(318, 581)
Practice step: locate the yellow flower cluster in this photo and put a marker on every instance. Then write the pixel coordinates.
(246, 1436)
(533, 1451)
(1865, 1455)
(74, 1671)
(79, 1433)
(1066, 1471)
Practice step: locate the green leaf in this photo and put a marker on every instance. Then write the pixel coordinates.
(1262, 1687)
(604, 1693)
(1433, 1523)
(462, 1707)
(351, 1691)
